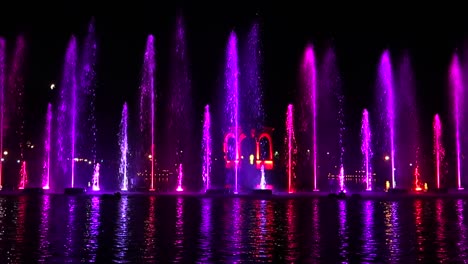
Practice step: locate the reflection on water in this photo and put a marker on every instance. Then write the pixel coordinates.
(136, 229)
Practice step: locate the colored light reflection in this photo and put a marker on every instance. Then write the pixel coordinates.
(92, 229)
(44, 242)
(392, 231)
(420, 231)
(70, 229)
(441, 232)
(462, 230)
(369, 248)
(149, 253)
(343, 232)
(316, 239)
(121, 240)
(179, 229)
(263, 230)
(292, 232)
(233, 230)
(206, 231)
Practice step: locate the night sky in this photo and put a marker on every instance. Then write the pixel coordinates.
(359, 36)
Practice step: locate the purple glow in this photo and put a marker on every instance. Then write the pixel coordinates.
(179, 179)
(439, 151)
(47, 144)
(341, 179)
(96, 177)
(386, 84)
(290, 142)
(232, 96)
(123, 143)
(309, 72)
(206, 146)
(147, 103)
(262, 178)
(23, 176)
(67, 114)
(366, 148)
(2, 102)
(456, 86)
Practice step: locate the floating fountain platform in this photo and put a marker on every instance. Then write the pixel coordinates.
(262, 191)
(216, 191)
(398, 191)
(33, 190)
(74, 191)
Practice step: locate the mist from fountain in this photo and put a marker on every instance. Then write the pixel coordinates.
(23, 176)
(147, 107)
(366, 148)
(95, 182)
(309, 75)
(232, 97)
(206, 148)
(457, 99)
(180, 178)
(123, 143)
(47, 149)
(2, 104)
(439, 151)
(291, 148)
(386, 85)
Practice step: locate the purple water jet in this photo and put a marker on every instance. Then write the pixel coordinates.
(147, 105)
(123, 143)
(366, 148)
(2, 103)
(439, 151)
(232, 97)
(206, 148)
(386, 86)
(290, 142)
(179, 179)
(23, 176)
(68, 112)
(309, 74)
(456, 85)
(262, 178)
(47, 149)
(95, 182)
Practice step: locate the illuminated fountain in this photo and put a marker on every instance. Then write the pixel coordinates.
(147, 107)
(439, 151)
(385, 79)
(262, 178)
(23, 176)
(2, 104)
(123, 143)
(290, 142)
(309, 74)
(95, 182)
(232, 99)
(179, 179)
(456, 85)
(206, 149)
(263, 188)
(47, 144)
(366, 148)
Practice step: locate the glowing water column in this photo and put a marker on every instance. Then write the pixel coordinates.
(206, 145)
(291, 143)
(439, 151)
(366, 148)
(96, 177)
(23, 176)
(123, 142)
(46, 173)
(2, 102)
(179, 182)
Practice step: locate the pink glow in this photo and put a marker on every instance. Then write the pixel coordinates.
(418, 185)
(206, 145)
(179, 180)
(96, 178)
(2, 102)
(342, 189)
(366, 148)
(310, 82)
(46, 172)
(439, 151)
(23, 176)
(290, 141)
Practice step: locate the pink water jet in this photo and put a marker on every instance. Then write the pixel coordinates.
(456, 85)
(439, 151)
(123, 144)
(291, 151)
(206, 147)
(2, 103)
(47, 144)
(23, 176)
(309, 74)
(179, 179)
(96, 178)
(366, 148)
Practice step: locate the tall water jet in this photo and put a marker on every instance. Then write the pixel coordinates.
(147, 107)
(206, 148)
(456, 86)
(23, 176)
(309, 75)
(232, 97)
(386, 86)
(262, 178)
(179, 179)
(179, 147)
(47, 149)
(2, 103)
(68, 113)
(95, 182)
(87, 82)
(291, 150)
(439, 151)
(123, 143)
(366, 148)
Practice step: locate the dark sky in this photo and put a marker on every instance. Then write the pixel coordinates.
(359, 34)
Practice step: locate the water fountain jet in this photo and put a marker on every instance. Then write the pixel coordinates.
(439, 151)
(123, 143)
(206, 148)
(290, 142)
(95, 182)
(366, 148)
(47, 149)
(179, 179)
